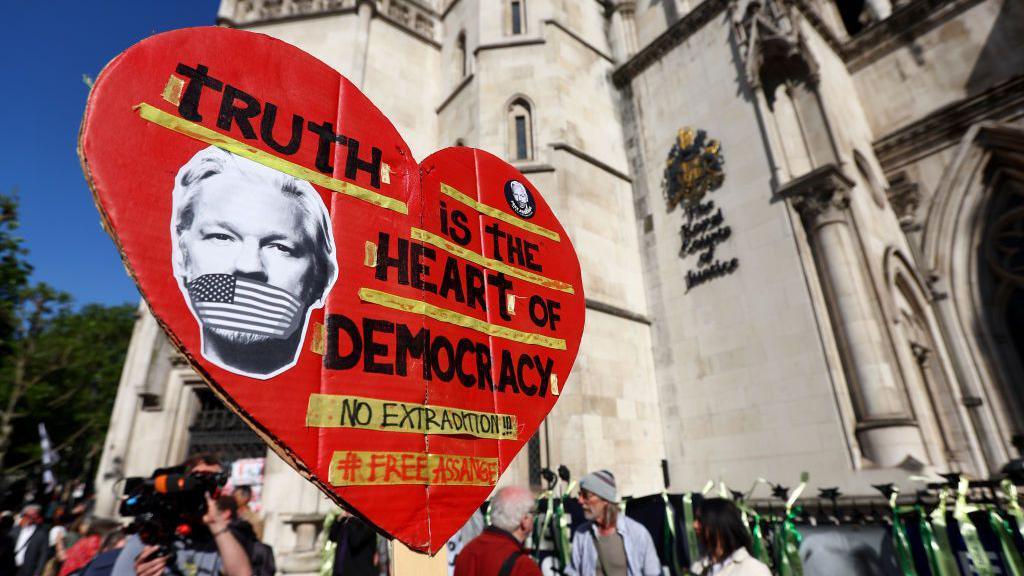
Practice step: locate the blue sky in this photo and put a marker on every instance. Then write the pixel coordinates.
(45, 49)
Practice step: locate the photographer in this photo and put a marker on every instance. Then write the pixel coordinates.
(211, 547)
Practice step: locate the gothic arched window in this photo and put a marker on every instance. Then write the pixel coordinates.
(520, 130)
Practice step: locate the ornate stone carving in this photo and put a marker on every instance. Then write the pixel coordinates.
(937, 287)
(400, 12)
(822, 191)
(774, 48)
(694, 167)
(424, 25)
(904, 197)
(418, 16)
(241, 12)
(921, 354)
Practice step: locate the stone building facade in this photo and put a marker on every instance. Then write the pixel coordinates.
(864, 318)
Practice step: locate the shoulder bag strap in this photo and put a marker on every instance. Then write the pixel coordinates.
(509, 563)
(25, 544)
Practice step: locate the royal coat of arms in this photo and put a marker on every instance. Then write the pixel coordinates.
(693, 168)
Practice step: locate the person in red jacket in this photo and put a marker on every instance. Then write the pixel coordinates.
(499, 551)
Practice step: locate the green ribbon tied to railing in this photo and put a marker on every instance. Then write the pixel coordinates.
(940, 552)
(928, 541)
(691, 533)
(330, 546)
(788, 538)
(969, 532)
(760, 545)
(900, 540)
(787, 546)
(1011, 556)
(549, 512)
(671, 549)
(1013, 505)
(1005, 533)
(752, 520)
(562, 530)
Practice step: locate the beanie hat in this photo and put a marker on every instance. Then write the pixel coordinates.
(601, 483)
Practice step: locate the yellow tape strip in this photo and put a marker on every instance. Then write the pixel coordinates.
(499, 214)
(369, 254)
(333, 411)
(172, 91)
(497, 266)
(451, 317)
(318, 345)
(204, 134)
(356, 468)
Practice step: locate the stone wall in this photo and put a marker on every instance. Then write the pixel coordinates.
(948, 59)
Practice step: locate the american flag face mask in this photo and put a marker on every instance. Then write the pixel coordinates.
(229, 302)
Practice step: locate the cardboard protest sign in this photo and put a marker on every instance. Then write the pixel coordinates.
(395, 330)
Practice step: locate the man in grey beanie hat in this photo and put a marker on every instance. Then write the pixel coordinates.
(609, 544)
(601, 483)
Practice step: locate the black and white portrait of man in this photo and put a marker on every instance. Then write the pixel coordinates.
(253, 253)
(519, 198)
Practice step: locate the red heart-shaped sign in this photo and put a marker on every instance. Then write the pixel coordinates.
(395, 331)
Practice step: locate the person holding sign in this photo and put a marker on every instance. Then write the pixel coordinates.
(609, 544)
(253, 252)
(498, 551)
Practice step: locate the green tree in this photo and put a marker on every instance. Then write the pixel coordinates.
(60, 367)
(14, 270)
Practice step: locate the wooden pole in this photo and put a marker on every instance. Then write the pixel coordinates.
(409, 563)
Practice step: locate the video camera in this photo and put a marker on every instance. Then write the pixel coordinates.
(167, 504)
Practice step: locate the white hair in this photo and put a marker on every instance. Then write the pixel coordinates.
(508, 507)
(518, 188)
(212, 161)
(32, 508)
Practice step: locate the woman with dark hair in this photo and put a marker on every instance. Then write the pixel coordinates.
(726, 541)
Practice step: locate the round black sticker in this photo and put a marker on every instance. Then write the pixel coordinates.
(519, 199)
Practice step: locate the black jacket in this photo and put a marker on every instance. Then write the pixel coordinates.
(7, 554)
(357, 543)
(37, 550)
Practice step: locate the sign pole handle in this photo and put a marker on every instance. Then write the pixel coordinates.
(409, 563)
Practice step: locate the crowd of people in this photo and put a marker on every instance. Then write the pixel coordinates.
(609, 543)
(31, 546)
(227, 540)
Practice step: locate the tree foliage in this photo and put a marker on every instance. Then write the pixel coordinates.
(14, 270)
(58, 365)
